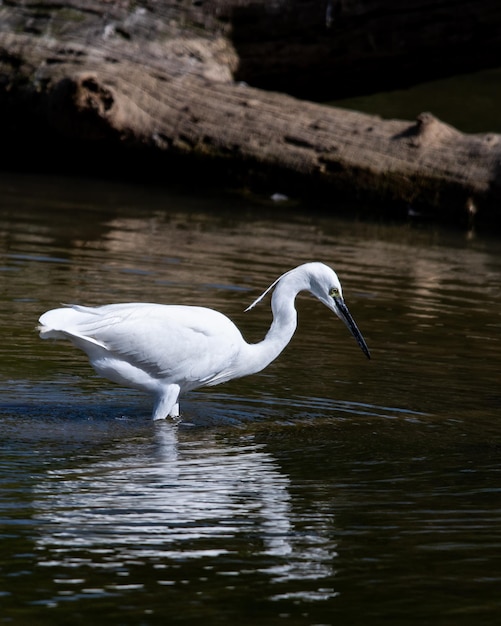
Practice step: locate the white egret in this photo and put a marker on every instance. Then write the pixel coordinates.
(167, 350)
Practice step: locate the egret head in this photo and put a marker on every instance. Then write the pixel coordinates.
(325, 285)
(322, 282)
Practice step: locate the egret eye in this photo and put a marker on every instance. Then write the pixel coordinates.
(334, 292)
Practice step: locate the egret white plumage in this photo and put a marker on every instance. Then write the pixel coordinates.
(167, 350)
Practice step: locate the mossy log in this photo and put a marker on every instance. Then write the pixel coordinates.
(121, 82)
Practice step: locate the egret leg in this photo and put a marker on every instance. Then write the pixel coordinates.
(167, 404)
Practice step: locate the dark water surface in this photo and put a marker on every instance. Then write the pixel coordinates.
(469, 102)
(328, 489)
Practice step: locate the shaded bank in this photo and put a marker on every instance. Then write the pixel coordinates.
(128, 87)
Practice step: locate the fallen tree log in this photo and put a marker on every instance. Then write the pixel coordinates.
(118, 84)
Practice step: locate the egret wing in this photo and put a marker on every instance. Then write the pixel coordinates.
(184, 344)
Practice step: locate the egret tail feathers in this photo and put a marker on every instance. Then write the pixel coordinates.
(63, 324)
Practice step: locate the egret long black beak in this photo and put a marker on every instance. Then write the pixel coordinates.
(345, 315)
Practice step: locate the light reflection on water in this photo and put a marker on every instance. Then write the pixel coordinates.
(325, 489)
(175, 502)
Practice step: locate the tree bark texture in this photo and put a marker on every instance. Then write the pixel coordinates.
(120, 83)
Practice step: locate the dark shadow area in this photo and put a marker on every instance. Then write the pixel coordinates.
(328, 50)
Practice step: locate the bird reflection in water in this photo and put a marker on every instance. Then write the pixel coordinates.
(163, 501)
